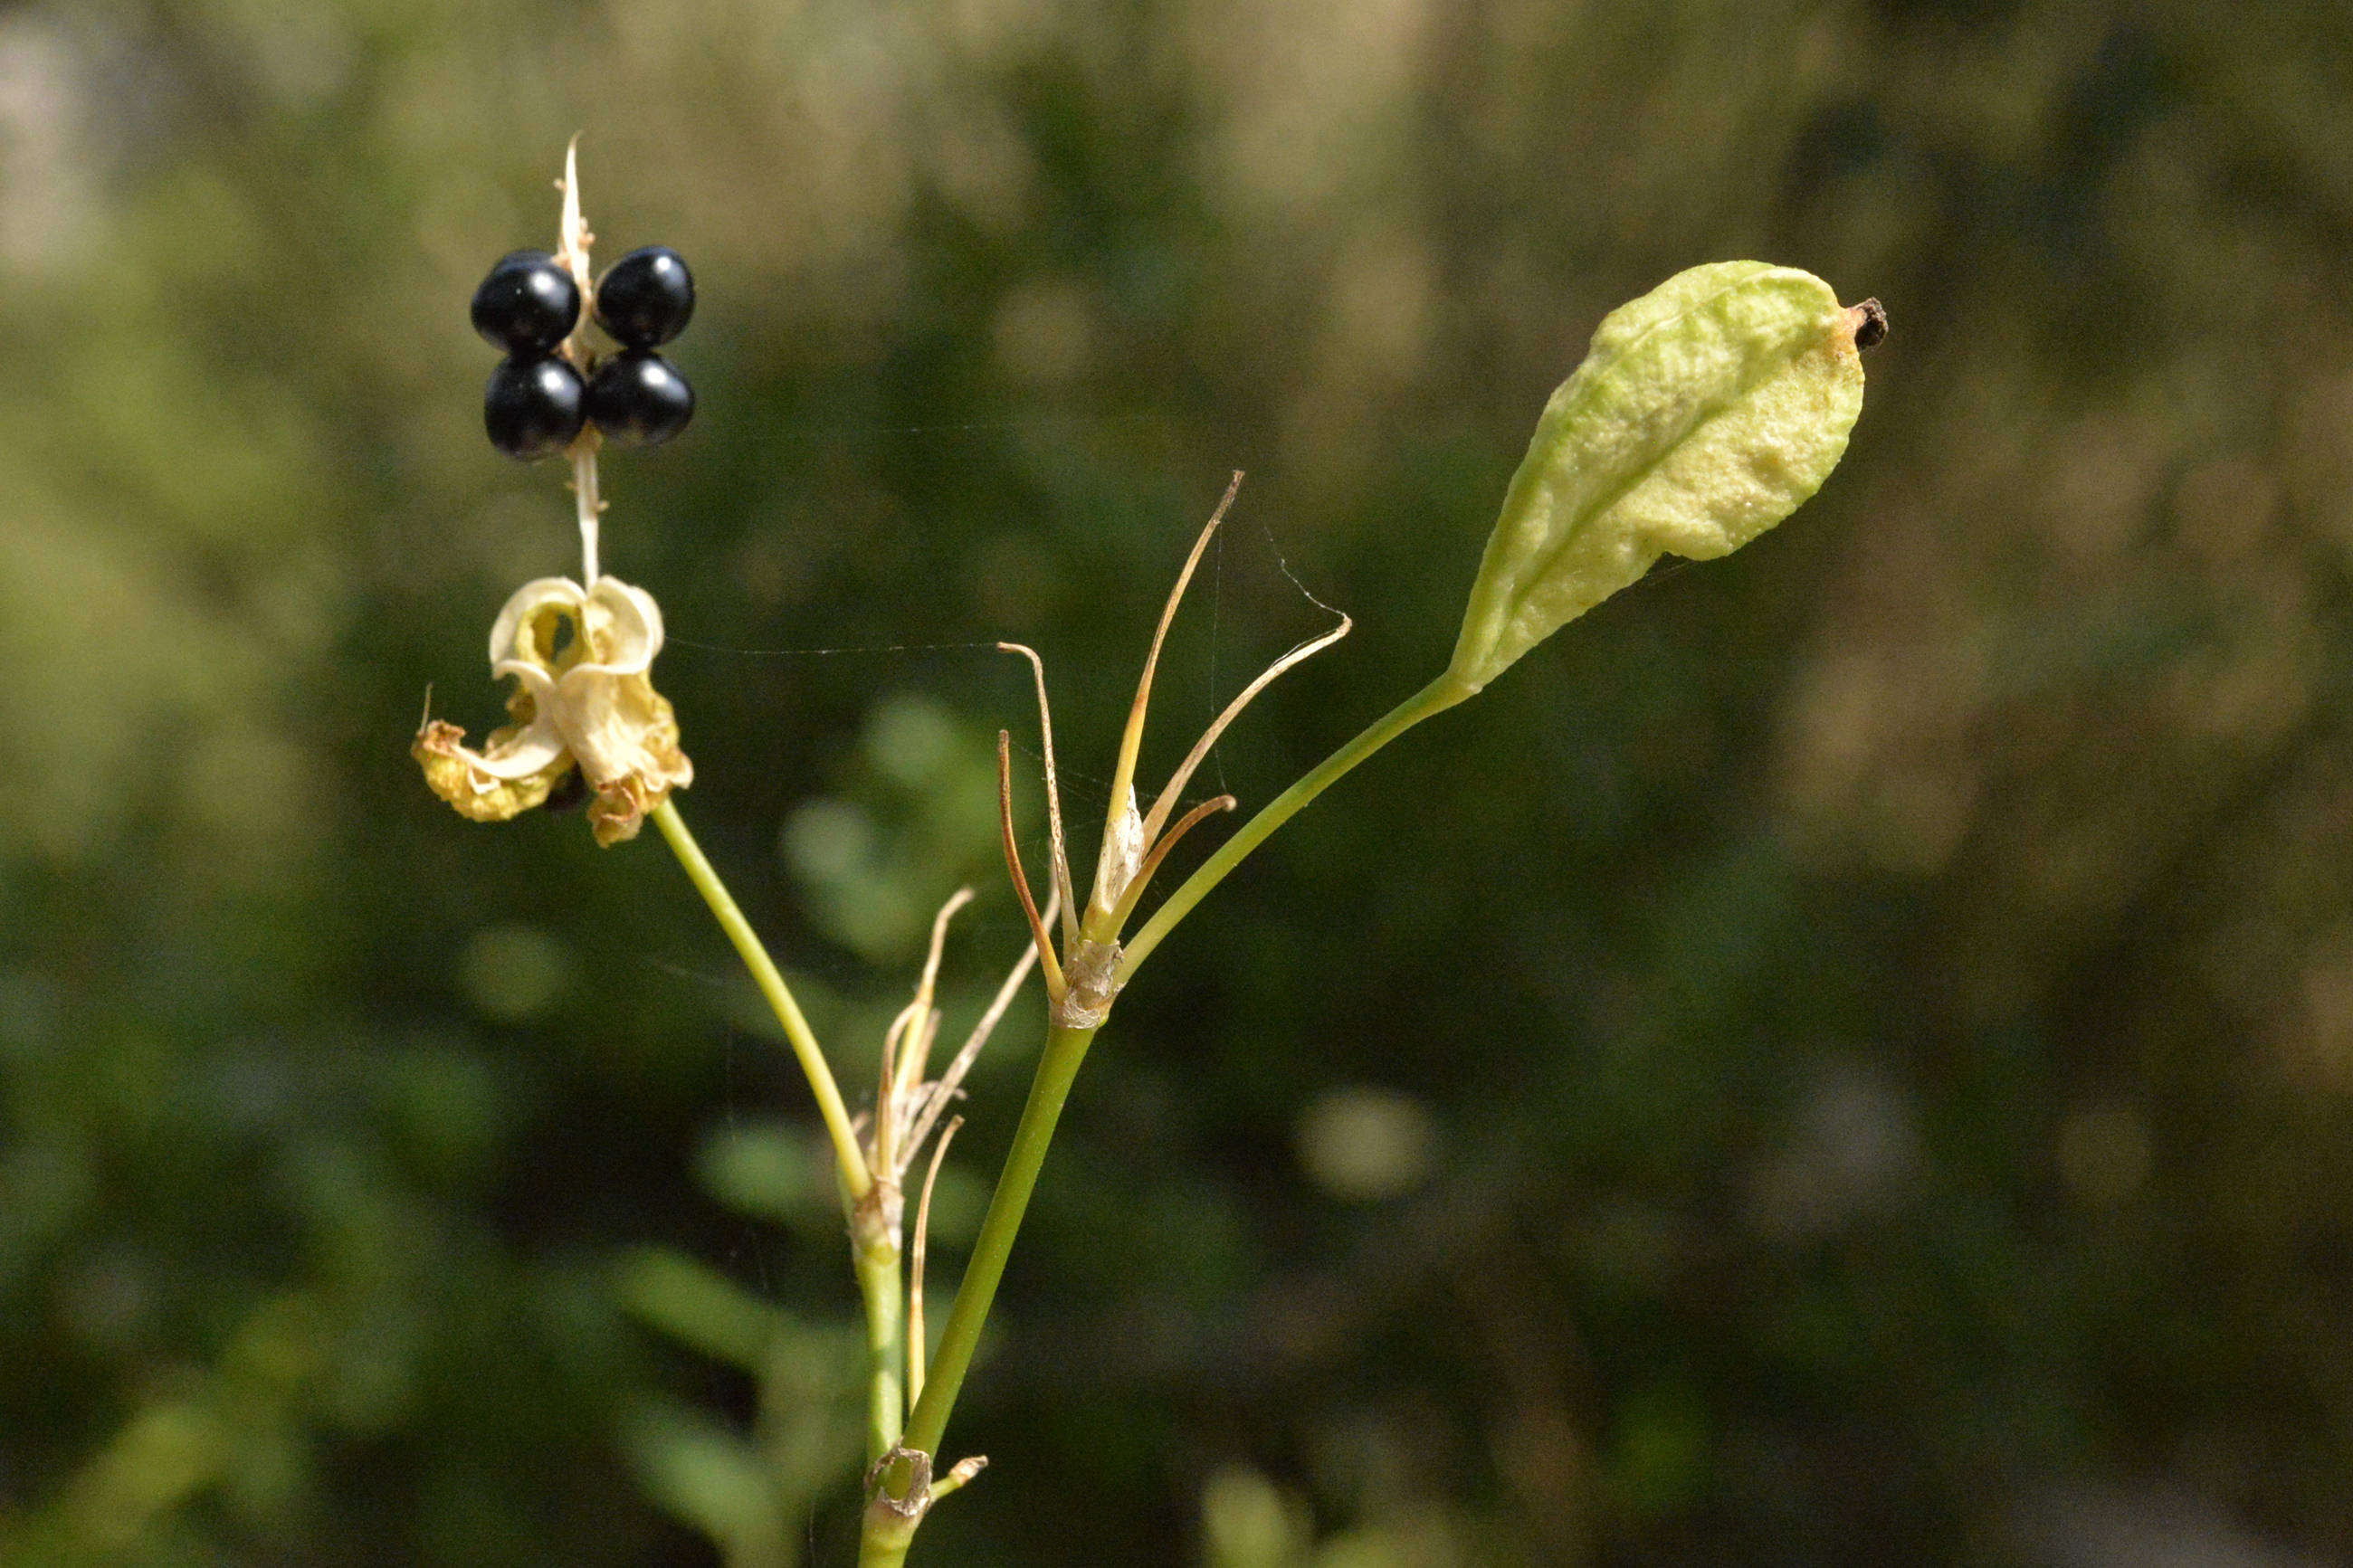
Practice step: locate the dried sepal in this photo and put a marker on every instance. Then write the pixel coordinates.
(1061, 889)
(1082, 983)
(918, 1340)
(1125, 847)
(1039, 936)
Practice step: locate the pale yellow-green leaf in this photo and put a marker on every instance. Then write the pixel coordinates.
(1704, 412)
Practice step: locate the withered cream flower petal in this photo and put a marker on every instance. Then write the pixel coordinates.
(494, 784)
(517, 619)
(579, 658)
(625, 626)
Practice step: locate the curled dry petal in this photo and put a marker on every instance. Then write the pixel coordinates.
(1703, 413)
(469, 779)
(584, 697)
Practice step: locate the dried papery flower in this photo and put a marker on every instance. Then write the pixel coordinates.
(581, 659)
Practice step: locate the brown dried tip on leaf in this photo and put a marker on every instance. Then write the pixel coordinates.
(1869, 323)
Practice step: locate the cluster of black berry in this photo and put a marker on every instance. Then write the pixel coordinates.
(536, 402)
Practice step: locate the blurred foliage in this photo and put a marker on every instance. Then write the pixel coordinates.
(747, 1497)
(1873, 1020)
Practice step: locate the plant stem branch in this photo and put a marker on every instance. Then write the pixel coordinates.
(1436, 698)
(882, 1544)
(1065, 1050)
(886, 1344)
(855, 1176)
(884, 1539)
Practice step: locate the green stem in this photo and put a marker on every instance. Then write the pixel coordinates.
(1065, 1050)
(854, 1174)
(1436, 698)
(879, 1282)
(883, 1542)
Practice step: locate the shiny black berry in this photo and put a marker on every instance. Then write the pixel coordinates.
(638, 399)
(528, 304)
(647, 297)
(533, 407)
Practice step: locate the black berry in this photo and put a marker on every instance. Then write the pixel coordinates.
(528, 304)
(638, 399)
(647, 297)
(533, 407)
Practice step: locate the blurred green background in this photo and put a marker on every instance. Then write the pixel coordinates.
(1845, 1057)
